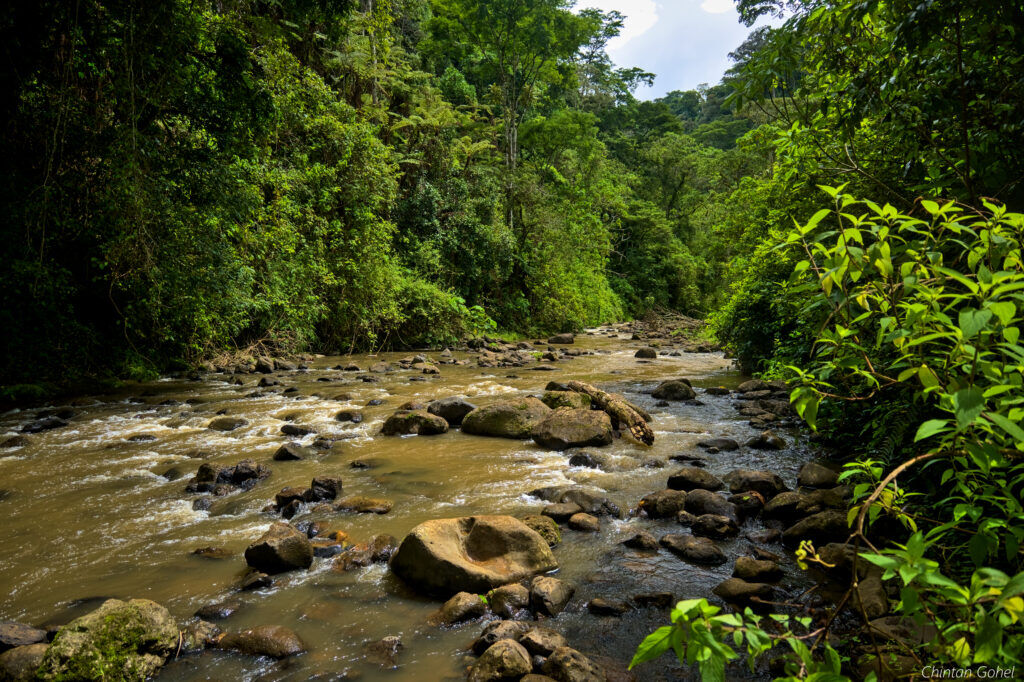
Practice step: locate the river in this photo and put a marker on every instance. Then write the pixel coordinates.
(88, 513)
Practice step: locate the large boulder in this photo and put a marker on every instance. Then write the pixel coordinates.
(472, 554)
(664, 504)
(20, 664)
(674, 389)
(694, 549)
(506, 659)
(814, 475)
(548, 596)
(282, 548)
(568, 665)
(418, 422)
(274, 641)
(566, 428)
(768, 483)
(562, 339)
(646, 353)
(714, 526)
(452, 410)
(556, 399)
(506, 418)
(700, 502)
(126, 640)
(693, 478)
(739, 591)
(821, 528)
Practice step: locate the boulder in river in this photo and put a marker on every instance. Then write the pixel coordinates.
(585, 523)
(566, 428)
(714, 526)
(13, 635)
(693, 478)
(560, 512)
(545, 526)
(508, 600)
(453, 410)
(473, 554)
(700, 502)
(128, 640)
(694, 549)
(766, 440)
(499, 630)
(20, 664)
(663, 504)
(756, 570)
(353, 416)
(227, 423)
(282, 548)
(562, 339)
(821, 528)
(641, 540)
(814, 475)
(506, 659)
(738, 591)
(568, 665)
(44, 424)
(549, 596)
(290, 452)
(506, 418)
(459, 608)
(768, 483)
(721, 444)
(565, 398)
(274, 641)
(418, 422)
(646, 353)
(674, 389)
(364, 505)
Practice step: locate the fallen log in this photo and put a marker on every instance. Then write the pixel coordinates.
(618, 409)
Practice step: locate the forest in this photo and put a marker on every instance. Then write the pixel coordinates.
(188, 181)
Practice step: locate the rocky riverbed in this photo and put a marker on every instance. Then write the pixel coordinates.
(341, 517)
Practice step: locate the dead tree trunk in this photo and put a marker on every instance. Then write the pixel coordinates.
(619, 410)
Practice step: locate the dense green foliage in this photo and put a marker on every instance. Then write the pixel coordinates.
(183, 178)
(897, 320)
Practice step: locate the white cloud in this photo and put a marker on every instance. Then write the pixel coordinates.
(716, 6)
(641, 16)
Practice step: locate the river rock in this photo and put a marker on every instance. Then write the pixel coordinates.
(13, 635)
(768, 483)
(674, 389)
(198, 635)
(568, 665)
(364, 505)
(15, 442)
(756, 570)
(506, 418)
(721, 444)
(714, 526)
(274, 641)
(700, 502)
(585, 523)
(747, 505)
(282, 548)
(418, 422)
(646, 353)
(452, 410)
(766, 440)
(384, 652)
(590, 501)
(44, 424)
(562, 339)
(499, 630)
(227, 423)
(475, 554)
(587, 460)
(642, 540)
(814, 475)
(352, 416)
(128, 640)
(692, 478)
(20, 664)
(218, 610)
(565, 398)
(561, 512)
(508, 600)
(694, 549)
(600, 606)
(213, 552)
(821, 528)
(255, 580)
(323, 488)
(658, 600)
(566, 428)
(541, 641)
(737, 591)
(548, 596)
(753, 385)
(461, 607)
(663, 504)
(544, 526)
(506, 659)
(289, 495)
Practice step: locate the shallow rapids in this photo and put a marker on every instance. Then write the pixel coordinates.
(89, 513)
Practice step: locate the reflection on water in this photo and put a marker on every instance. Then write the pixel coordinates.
(88, 512)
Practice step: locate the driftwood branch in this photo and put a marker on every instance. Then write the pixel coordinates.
(618, 409)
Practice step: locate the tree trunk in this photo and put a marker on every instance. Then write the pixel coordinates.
(619, 409)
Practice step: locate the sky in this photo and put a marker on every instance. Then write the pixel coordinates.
(684, 42)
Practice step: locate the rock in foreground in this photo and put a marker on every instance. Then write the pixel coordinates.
(568, 428)
(473, 554)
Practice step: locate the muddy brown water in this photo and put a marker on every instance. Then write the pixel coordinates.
(88, 515)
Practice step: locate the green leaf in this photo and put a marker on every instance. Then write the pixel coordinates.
(973, 321)
(654, 645)
(969, 404)
(1007, 425)
(930, 428)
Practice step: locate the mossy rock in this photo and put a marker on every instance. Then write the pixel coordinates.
(506, 418)
(118, 641)
(546, 527)
(556, 399)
